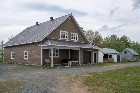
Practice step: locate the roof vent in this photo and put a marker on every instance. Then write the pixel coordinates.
(37, 23)
(51, 18)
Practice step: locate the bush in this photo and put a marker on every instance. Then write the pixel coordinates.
(11, 62)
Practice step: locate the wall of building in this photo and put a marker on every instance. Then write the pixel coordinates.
(114, 56)
(100, 57)
(34, 54)
(70, 27)
(92, 56)
(126, 57)
(63, 54)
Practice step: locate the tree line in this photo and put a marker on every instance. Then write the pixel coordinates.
(1, 50)
(113, 41)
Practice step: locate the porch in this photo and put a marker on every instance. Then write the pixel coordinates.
(63, 55)
(58, 50)
(60, 56)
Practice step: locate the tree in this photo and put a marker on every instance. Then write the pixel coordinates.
(94, 38)
(1, 49)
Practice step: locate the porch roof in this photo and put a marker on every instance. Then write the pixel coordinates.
(55, 42)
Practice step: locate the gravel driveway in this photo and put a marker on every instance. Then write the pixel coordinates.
(38, 80)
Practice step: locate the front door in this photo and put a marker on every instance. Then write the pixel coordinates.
(86, 57)
(95, 57)
(118, 58)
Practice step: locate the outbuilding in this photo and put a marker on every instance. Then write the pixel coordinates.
(108, 55)
(129, 55)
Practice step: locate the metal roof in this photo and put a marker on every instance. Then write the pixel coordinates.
(132, 51)
(108, 51)
(36, 33)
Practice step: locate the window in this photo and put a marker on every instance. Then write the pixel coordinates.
(110, 56)
(55, 53)
(125, 52)
(12, 55)
(74, 36)
(63, 35)
(25, 55)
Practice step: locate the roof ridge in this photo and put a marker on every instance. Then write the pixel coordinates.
(46, 21)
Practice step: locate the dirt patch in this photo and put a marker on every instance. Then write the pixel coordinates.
(72, 84)
(9, 85)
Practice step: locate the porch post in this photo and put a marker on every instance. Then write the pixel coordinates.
(51, 57)
(69, 53)
(41, 57)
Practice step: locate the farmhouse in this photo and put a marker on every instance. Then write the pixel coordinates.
(108, 54)
(57, 40)
(129, 55)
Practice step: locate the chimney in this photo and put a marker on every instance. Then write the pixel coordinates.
(37, 23)
(51, 18)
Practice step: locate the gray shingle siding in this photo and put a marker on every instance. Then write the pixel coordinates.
(129, 56)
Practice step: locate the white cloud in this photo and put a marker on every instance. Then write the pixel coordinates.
(106, 16)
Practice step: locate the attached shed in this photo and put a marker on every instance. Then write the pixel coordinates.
(129, 55)
(108, 54)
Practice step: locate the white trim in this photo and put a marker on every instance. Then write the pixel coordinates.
(12, 54)
(52, 57)
(26, 55)
(55, 52)
(62, 47)
(74, 36)
(41, 57)
(66, 35)
(22, 43)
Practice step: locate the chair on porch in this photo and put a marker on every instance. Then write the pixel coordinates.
(65, 61)
(47, 61)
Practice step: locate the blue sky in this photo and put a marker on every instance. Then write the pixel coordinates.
(120, 17)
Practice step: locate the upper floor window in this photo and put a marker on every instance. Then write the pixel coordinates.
(12, 55)
(63, 35)
(25, 55)
(125, 52)
(74, 36)
(55, 53)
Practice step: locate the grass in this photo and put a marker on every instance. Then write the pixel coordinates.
(126, 80)
(112, 63)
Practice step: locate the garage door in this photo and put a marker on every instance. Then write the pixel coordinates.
(86, 57)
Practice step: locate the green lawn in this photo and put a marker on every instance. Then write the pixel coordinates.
(112, 63)
(126, 80)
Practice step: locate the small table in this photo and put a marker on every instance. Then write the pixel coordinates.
(70, 62)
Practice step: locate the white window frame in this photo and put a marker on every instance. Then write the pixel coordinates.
(66, 34)
(54, 51)
(26, 56)
(12, 55)
(74, 36)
